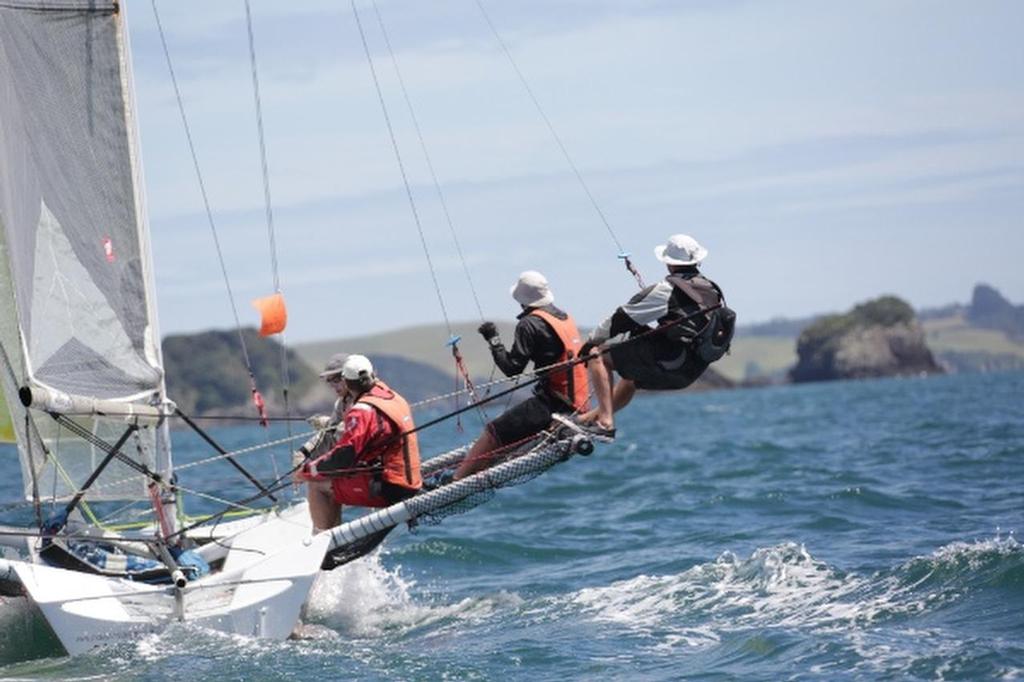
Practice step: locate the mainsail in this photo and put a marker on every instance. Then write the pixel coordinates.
(77, 316)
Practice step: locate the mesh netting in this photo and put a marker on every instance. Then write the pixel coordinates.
(516, 469)
(527, 461)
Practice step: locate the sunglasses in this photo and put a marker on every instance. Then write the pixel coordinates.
(334, 379)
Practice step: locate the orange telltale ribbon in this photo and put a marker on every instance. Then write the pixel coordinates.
(273, 314)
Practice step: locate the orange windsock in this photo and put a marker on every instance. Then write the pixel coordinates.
(273, 314)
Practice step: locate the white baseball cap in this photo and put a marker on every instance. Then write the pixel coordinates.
(531, 289)
(681, 249)
(357, 367)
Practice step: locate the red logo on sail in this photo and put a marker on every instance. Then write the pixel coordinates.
(108, 248)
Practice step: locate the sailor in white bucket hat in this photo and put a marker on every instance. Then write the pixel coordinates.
(676, 356)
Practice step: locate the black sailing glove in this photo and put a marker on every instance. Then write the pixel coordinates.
(488, 331)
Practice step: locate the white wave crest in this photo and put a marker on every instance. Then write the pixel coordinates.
(366, 599)
(785, 587)
(973, 553)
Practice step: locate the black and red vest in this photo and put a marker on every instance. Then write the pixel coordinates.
(391, 458)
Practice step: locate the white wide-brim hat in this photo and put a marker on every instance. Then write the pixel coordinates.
(531, 290)
(681, 249)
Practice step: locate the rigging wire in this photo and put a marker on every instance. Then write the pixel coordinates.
(453, 340)
(401, 168)
(460, 367)
(269, 210)
(257, 398)
(430, 164)
(561, 145)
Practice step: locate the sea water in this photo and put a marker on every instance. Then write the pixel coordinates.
(863, 530)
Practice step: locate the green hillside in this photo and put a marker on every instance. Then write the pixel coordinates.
(754, 357)
(957, 335)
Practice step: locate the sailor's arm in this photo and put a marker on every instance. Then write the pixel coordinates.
(513, 362)
(328, 428)
(646, 307)
(359, 424)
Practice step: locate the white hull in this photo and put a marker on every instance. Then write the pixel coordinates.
(268, 573)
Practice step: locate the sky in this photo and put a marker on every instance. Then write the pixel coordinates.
(824, 153)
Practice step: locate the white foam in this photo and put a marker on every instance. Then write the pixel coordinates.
(361, 598)
(364, 599)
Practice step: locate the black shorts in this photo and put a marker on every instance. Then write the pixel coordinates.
(523, 420)
(644, 362)
(394, 494)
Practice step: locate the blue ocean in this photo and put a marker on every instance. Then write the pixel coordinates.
(848, 530)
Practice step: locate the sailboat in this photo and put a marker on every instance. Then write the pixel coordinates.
(80, 361)
(82, 385)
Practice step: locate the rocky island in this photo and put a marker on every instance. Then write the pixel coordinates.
(879, 338)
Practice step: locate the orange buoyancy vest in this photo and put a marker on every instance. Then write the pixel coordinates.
(401, 456)
(568, 383)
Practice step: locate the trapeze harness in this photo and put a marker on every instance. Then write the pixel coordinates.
(395, 460)
(569, 384)
(711, 341)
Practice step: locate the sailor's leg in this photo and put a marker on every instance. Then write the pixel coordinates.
(608, 369)
(623, 393)
(601, 380)
(323, 510)
(479, 456)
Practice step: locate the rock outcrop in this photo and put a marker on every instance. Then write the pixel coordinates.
(880, 338)
(989, 310)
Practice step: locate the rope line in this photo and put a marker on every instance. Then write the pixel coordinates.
(430, 164)
(550, 126)
(263, 148)
(561, 145)
(401, 168)
(268, 203)
(202, 187)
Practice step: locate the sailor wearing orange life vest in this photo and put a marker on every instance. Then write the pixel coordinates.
(375, 460)
(546, 336)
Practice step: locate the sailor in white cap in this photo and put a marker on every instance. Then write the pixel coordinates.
(676, 356)
(374, 460)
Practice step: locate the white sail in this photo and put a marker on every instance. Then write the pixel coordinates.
(76, 310)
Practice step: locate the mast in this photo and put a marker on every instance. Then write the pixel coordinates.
(164, 464)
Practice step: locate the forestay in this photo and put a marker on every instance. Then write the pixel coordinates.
(77, 317)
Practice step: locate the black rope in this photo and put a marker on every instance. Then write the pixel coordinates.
(216, 446)
(103, 445)
(113, 451)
